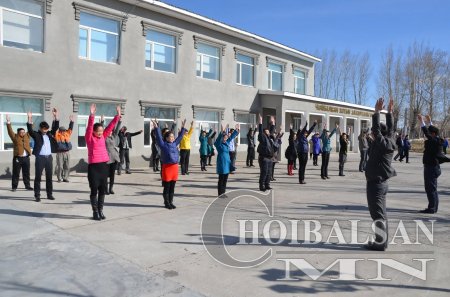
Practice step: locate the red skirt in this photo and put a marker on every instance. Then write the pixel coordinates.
(169, 172)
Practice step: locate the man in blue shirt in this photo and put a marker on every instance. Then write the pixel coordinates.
(44, 145)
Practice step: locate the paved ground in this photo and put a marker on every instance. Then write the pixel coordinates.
(53, 248)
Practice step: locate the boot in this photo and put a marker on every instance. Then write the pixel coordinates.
(341, 170)
(289, 169)
(107, 190)
(94, 203)
(171, 201)
(111, 189)
(166, 201)
(292, 169)
(101, 200)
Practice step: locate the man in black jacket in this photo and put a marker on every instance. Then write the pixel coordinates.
(302, 150)
(432, 157)
(250, 148)
(124, 149)
(378, 172)
(44, 145)
(266, 152)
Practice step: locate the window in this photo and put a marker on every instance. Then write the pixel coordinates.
(205, 119)
(160, 51)
(164, 116)
(99, 38)
(208, 61)
(246, 121)
(294, 119)
(17, 109)
(299, 81)
(245, 74)
(108, 110)
(22, 24)
(275, 73)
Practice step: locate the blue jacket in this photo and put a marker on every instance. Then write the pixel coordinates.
(204, 143)
(302, 141)
(326, 143)
(316, 145)
(169, 150)
(223, 153)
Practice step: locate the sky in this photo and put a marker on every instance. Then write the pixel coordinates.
(357, 25)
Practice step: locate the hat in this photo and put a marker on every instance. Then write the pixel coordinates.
(62, 128)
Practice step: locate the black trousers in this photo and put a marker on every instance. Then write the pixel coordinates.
(302, 161)
(399, 154)
(43, 162)
(430, 175)
(250, 156)
(155, 158)
(325, 161)
(291, 161)
(184, 160)
(363, 160)
(97, 177)
(405, 156)
(21, 163)
(168, 190)
(265, 171)
(124, 157)
(203, 159)
(222, 184)
(315, 158)
(112, 174)
(233, 161)
(376, 199)
(342, 160)
(209, 159)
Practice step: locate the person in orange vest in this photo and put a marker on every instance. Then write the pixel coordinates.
(21, 155)
(64, 146)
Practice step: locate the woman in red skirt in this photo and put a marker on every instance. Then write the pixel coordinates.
(169, 160)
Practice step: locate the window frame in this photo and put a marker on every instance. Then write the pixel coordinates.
(2, 9)
(210, 56)
(96, 120)
(236, 113)
(89, 35)
(296, 78)
(270, 78)
(152, 52)
(239, 65)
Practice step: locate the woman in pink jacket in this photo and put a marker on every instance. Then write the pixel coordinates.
(97, 158)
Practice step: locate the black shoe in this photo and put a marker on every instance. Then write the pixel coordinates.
(101, 215)
(111, 191)
(427, 210)
(341, 174)
(171, 201)
(13, 190)
(268, 188)
(372, 246)
(327, 177)
(183, 173)
(107, 192)
(128, 172)
(262, 189)
(38, 199)
(59, 180)
(96, 216)
(29, 188)
(119, 173)
(65, 180)
(50, 197)
(302, 182)
(323, 177)
(187, 173)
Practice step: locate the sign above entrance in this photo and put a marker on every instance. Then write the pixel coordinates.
(355, 112)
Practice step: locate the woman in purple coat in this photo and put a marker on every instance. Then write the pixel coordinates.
(316, 147)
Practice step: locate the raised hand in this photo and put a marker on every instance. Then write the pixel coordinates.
(183, 122)
(260, 119)
(379, 105)
(119, 110)
(102, 118)
(237, 127)
(391, 105)
(71, 118)
(281, 128)
(420, 118)
(8, 119)
(93, 108)
(428, 119)
(192, 124)
(272, 120)
(291, 126)
(30, 117)
(315, 122)
(221, 128)
(54, 112)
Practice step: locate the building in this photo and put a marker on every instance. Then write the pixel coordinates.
(156, 61)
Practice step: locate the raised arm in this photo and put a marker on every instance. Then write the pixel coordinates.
(113, 123)
(234, 134)
(210, 132)
(312, 127)
(11, 133)
(304, 128)
(136, 133)
(390, 118)
(30, 125)
(191, 129)
(181, 134)
(424, 127)
(117, 128)
(55, 122)
(90, 126)
(70, 125)
(379, 105)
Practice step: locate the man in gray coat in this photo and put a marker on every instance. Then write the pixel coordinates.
(378, 172)
(363, 149)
